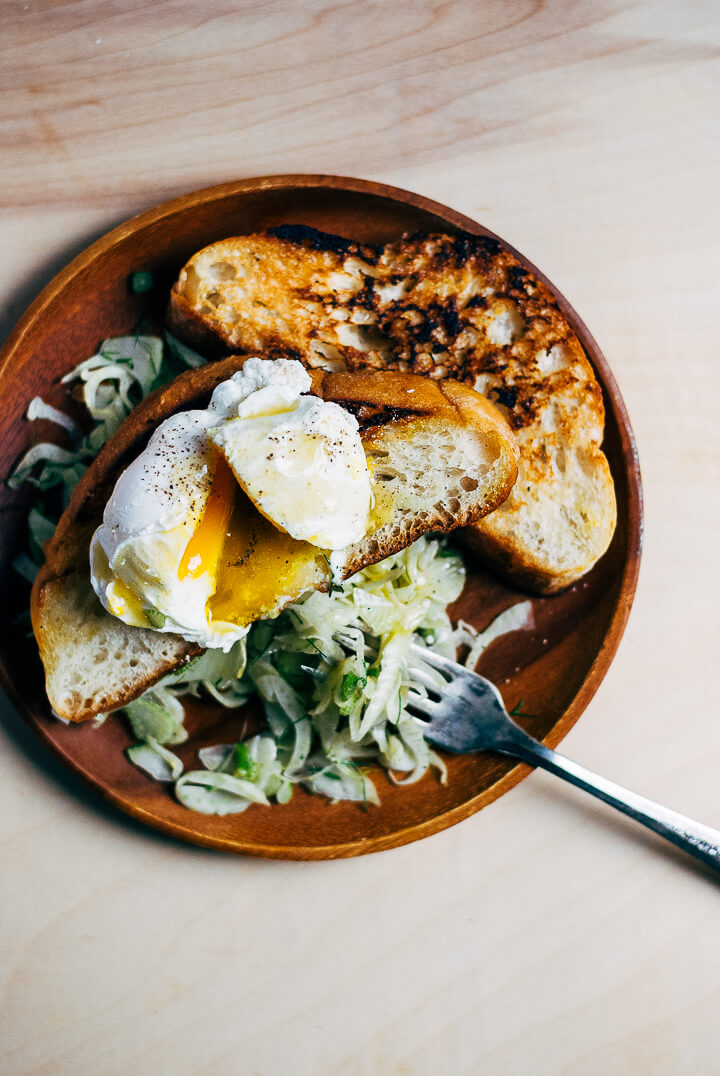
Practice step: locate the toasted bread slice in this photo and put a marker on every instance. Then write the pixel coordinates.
(95, 663)
(458, 307)
(279, 291)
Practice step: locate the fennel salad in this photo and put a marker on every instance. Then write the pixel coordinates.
(331, 671)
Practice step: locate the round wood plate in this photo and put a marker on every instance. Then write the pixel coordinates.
(555, 668)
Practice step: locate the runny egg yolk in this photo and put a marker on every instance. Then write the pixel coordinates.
(202, 552)
(261, 567)
(250, 560)
(122, 599)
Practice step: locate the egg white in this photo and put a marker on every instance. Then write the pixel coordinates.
(305, 469)
(151, 516)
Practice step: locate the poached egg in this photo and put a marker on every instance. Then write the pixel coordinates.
(224, 515)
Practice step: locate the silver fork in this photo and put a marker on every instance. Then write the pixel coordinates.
(465, 712)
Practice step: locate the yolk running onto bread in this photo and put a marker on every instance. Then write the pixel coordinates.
(254, 564)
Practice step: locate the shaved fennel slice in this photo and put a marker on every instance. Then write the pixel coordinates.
(183, 352)
(37, 408)
(158, 716)
(210, 792)
(41, 528)
(237, 775)
(156, 760)
(517, 618)
(339, 782)
(60, 463)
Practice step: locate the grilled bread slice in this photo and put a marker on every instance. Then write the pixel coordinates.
(95, 663)
(458, 307)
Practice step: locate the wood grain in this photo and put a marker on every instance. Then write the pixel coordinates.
(286, 71)
(542, 936)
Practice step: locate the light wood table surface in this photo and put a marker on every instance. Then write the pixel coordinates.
(544, 935)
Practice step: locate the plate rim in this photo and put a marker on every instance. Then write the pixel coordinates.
(627, 582)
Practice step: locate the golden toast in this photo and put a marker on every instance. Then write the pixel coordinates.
(444, 306)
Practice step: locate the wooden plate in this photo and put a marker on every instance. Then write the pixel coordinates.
(555, 668)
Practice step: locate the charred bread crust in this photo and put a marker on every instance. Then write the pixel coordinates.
(448, 306)
(307, 238)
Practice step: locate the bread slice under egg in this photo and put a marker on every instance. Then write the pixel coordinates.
(440, 456)
(445, 306)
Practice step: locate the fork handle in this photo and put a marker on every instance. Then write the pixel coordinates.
(700, 841)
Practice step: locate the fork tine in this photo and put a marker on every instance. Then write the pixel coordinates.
(425, 705)
(437, 661)
(422, 676)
